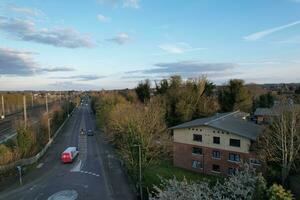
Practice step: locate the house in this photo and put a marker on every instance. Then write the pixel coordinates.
(216, 144)
(265, 115)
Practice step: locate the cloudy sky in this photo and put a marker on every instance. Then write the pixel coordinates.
(95, 44)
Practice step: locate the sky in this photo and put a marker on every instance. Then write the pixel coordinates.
(114, 44)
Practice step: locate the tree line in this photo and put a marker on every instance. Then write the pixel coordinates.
(142, 116)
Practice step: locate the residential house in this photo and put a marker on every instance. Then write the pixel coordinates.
(265, 115)
(216, 144)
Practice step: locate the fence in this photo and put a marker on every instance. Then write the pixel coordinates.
(30, 161)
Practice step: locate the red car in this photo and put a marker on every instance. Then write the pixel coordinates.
(69, 154)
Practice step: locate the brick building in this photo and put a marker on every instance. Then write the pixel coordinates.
(215, 144)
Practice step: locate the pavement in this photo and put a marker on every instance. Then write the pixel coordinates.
(95, 174)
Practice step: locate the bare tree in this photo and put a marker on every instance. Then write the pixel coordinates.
(281, 141)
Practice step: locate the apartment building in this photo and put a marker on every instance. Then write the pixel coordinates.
(215, 145)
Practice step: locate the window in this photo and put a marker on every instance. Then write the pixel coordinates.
(214, 131)
(197, 150)
(216, 168)
(234, 157)
(196, 164)
(231, 171)
(216, 154)
(254, 161)
(235, 143)
(216, 140)
(197, 138)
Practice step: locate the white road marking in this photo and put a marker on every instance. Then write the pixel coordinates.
(77, 167)
(90, 173)
(64, 195)
(40, 165)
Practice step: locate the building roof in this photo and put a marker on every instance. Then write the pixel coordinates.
(276, 110)
(233, 122)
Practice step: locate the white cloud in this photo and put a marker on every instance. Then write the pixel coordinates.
(24, 10)
(131, 3)
(103, 18)
(264, 33)
(125, 3)
(178, 48)
(21, 63)
(121, 39)
(60, 37)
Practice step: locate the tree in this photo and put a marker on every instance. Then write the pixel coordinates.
(209, 88)
(239, 186)
(143, 90)
(235, 96)
(297, 91)
(162, 87)
(187, 100)
(280, 143)
(139, 124)
(266, 100)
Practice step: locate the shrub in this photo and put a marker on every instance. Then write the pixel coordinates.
(277, 192)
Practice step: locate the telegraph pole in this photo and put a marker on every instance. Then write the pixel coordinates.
(49, 129)
(47, 103)
(59, 96)
(32, 100)
(2, 102)
(25, 111)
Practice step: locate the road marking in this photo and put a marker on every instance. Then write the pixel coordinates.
(77, 167)
(64, 195)
(87, 172)
(40, 165)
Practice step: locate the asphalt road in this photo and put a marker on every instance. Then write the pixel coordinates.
(95, 174)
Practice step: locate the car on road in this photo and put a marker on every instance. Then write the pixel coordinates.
(82, 132)
(90, 133)
(69, 155)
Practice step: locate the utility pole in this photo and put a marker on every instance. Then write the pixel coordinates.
(25, 111)
(32, 100)
(3, 110)
(49, 128)
(140, 170)
(60, 97)
(47, 103)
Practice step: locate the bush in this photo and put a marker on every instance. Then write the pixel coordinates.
(239, 186)
(277, 192)
(6, 154)
(25, 141)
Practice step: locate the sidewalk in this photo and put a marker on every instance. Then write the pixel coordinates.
(117, 180)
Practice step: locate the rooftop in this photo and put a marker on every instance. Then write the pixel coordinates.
(233, 122)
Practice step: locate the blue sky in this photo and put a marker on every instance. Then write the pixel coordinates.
(95, 44)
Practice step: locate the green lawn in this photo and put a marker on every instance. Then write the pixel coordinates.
(168, 171)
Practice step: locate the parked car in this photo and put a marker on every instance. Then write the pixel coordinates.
(90, 133)
(69, 155)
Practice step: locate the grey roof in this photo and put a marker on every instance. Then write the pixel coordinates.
(233, 122)
(276, 110)
(265, 112)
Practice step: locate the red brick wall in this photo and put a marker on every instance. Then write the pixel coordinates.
(183, 158)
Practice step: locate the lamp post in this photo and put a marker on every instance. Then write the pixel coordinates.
(140, 169)
(3, 109)
(19, 168)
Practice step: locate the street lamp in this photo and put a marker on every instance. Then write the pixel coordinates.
(140, 169)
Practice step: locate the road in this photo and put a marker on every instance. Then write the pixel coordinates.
(95, 174)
